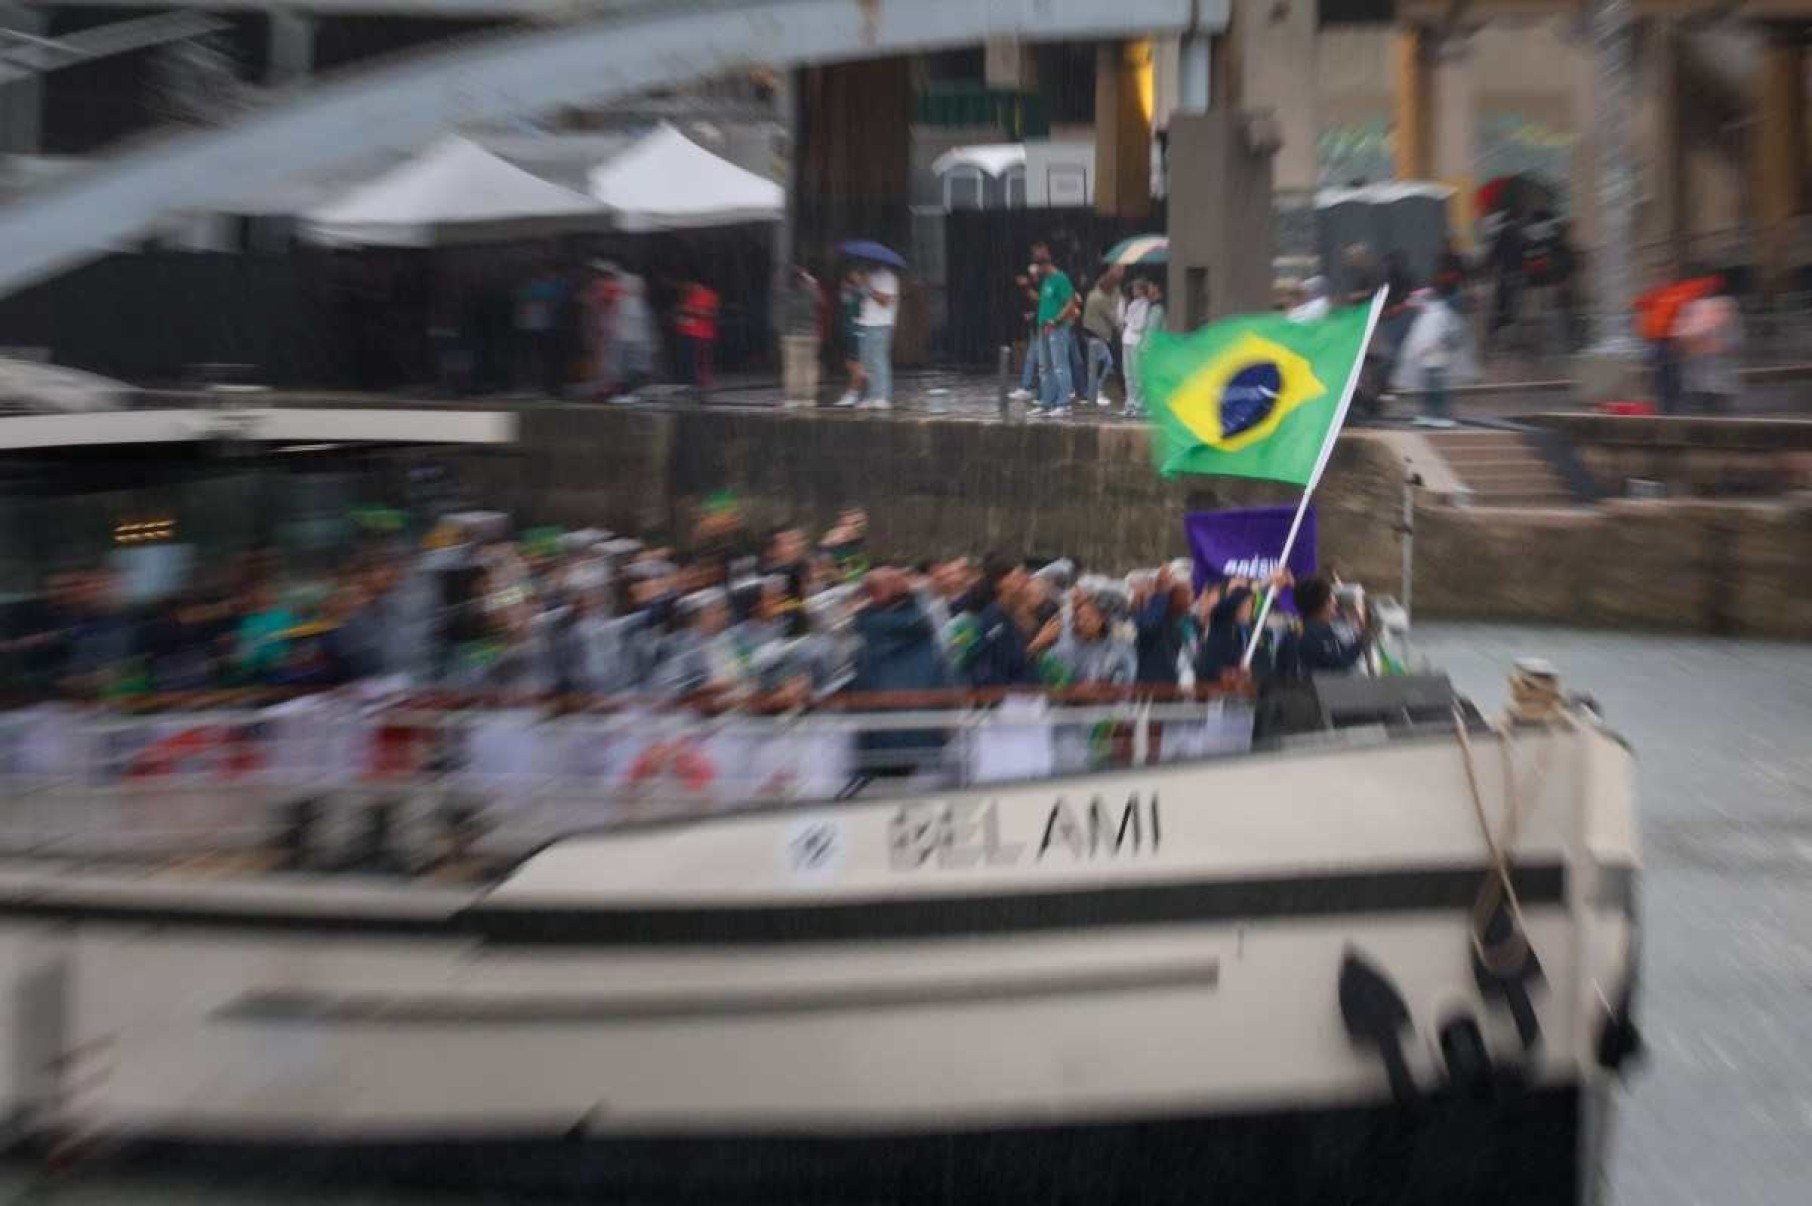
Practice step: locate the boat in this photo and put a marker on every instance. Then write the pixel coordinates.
(1385, 956)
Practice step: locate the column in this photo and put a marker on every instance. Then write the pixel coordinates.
(1221, 206)
(1454, 121)
(1663, 223)
(1414, 103)
(22, 101)
(1123, 129)
(1277, 54)
(1612, 26)
(786, 115)
(1779, 150)
(1582, 165)
(852, 160)
(1009, 64)
(292, 47)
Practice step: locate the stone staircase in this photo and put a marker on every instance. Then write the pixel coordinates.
(1502, 469)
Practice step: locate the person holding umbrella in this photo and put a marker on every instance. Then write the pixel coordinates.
(875, 322)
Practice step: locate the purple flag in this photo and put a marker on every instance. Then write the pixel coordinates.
(1245, 544)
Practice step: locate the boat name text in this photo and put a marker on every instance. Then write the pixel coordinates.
(961, 834)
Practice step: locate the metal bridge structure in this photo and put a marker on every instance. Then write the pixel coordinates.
(563, 52)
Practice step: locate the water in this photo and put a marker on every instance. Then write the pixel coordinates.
(1721, 1113)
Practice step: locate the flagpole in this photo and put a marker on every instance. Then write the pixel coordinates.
(1321, 463)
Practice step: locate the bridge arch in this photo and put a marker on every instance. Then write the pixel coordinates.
(592, 60)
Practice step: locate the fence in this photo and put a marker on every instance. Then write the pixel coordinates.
(95, 782)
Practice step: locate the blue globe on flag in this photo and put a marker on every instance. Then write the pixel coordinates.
(1249, 397)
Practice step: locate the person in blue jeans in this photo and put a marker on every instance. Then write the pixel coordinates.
(1026, 284)
(1056, 344)
(1101, 328)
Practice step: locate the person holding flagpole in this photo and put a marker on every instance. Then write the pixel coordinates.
(1321, 646)
(1257, 396)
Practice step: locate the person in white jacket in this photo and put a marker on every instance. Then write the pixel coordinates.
(1135, 316)
(1435, 355)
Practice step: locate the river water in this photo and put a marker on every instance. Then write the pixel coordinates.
(1721, 1112)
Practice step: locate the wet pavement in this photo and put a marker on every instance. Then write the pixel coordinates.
(968, 394)
(1720, 1114)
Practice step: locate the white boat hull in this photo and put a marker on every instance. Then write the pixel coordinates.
(1142, 949)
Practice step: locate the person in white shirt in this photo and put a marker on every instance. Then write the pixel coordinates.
(1312, 304)
(874, 337)
(1134, 318)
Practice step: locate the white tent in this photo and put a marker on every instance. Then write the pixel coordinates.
(668, 182)
(454, 192)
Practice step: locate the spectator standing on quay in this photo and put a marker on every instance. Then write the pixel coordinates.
(1658, 312)
(601, 297)
(1433, 355)
(874, 330)
(1100, 324)
(1056, 311)
(1135, 319)
(1710, 334)
(538, 307)
(849, 328)
(1025, 296)
(801, 329)
(634, 336)
(695, 324)
(1313, 303)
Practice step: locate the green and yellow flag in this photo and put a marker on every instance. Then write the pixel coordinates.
(1253, 396)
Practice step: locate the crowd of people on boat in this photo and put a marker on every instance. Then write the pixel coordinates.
(780, 615)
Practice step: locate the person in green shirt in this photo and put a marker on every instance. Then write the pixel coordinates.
(1057, 310)
(262, 642)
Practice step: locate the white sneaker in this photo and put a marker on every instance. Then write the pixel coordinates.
(1020, 395)
(880, 404)
(1061, 413)
(1038, 412)
(847, 400)
(1103, 402)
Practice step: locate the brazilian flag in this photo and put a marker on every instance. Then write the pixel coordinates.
(1253, 396)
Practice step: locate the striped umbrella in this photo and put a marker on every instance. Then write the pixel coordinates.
(1142, 249)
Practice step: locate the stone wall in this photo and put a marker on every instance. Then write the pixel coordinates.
(1736, 568)
(937, 486)
(1691, 457)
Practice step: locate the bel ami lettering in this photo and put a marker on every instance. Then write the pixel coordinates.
(958, 835)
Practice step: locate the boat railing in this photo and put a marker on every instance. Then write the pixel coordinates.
(160, 776)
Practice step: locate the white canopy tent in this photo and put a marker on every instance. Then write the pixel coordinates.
(668, 182)
(454, 192)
